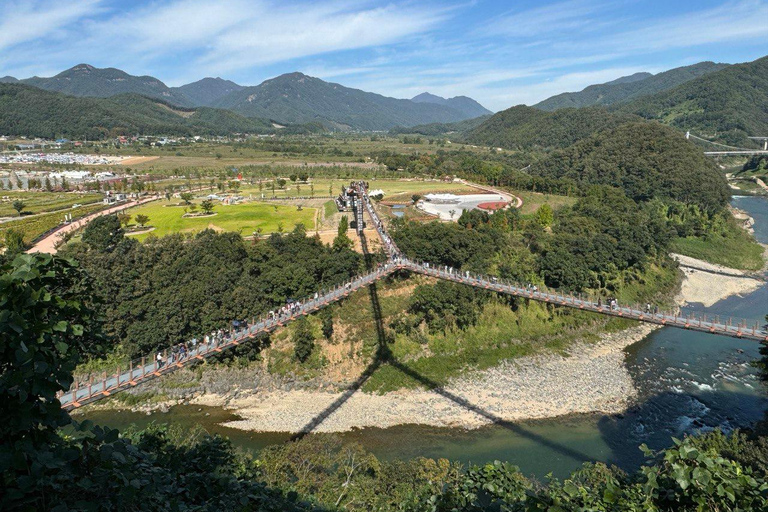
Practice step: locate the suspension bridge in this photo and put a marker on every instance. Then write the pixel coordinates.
(731, 150)
(94, 388)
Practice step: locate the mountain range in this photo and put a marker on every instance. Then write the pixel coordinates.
(29, 111)
(628, 88)
(292, 98)
(725, 103)
(729, 105)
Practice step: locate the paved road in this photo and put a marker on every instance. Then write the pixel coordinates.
(48, 244)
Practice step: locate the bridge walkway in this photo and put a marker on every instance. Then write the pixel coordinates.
(93, 389)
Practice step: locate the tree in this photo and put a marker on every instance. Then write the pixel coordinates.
(40, 337)
(342, 240)
(294, 177)
(19, 205)
(545, 215)
(207, 206)
(124, 218)
(103, 233)
(415, 198)
(281, 182)
(142, 220)
(312, 190)
(13, 240)
(186, 197)
(326, 317)
(303, 340)
(45, 328)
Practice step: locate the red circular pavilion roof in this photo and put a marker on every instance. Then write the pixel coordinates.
(493, 205)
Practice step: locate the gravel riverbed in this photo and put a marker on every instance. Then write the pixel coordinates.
(590, 378)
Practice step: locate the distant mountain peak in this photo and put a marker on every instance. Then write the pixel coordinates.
(464, 104)
(635, 77)
(207, 91)
(86, 80)
(428, 97)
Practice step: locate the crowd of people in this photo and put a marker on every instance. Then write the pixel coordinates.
(184, 350)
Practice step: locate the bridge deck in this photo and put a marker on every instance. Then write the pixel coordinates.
(82, 393)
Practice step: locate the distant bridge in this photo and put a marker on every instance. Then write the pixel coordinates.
(96, 388)
(731, 150)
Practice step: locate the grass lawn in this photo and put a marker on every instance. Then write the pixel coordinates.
(394, 187)
(533, 200)
(244, 218)
(736, 250)
(323, 187)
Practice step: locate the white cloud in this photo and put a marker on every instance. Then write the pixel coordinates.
(231, 35)
(545, 20)
(733, 21)
(24, 21)
(399, 48)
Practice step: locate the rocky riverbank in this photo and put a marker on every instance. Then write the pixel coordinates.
(592, 378)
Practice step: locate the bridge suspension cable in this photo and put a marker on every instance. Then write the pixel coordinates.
(734, 150)
(96, 387)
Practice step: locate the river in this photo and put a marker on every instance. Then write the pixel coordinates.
(687, 382)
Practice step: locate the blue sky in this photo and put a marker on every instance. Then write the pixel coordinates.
(501, 53)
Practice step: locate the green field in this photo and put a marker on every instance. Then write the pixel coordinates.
(39, 202)
(32, 227)
(325, 187)
(533, 200)
(736, 250)
(245, 218)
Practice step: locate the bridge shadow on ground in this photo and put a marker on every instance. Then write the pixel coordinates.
(384, 355)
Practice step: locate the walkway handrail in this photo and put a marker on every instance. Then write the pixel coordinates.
(181, 355)
(185, 353)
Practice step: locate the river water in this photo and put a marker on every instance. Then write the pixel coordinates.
(687, 382)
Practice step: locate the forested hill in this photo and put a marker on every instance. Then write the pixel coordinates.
(88, 81)
(298, 98)
(646, 160)
(207, 91)
(33, 112)
(524, 127)
(628, 88)
(728, 105)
